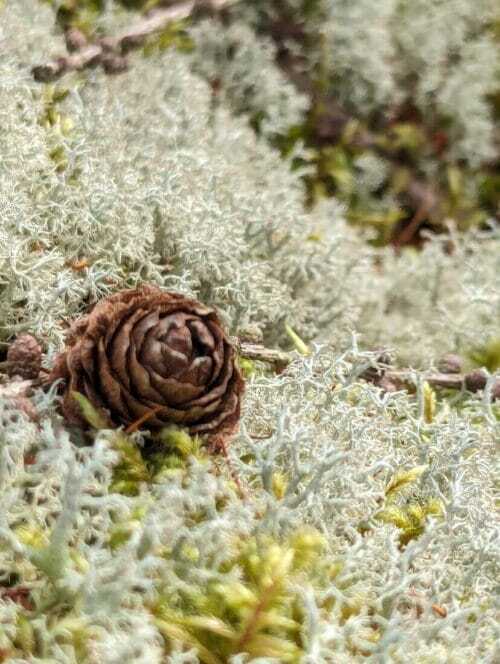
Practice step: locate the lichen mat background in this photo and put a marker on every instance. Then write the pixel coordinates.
(345, 521)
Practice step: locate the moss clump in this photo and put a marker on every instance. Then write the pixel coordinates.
(258, 611)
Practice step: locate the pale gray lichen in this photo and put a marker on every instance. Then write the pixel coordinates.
(242, 69)
(159, 186)
(374, 55)
(336, 452)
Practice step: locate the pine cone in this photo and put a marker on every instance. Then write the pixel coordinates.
(476, 380)
(450, 364)
(155, 356)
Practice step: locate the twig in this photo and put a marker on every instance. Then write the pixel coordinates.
(87, 57)
(449, 381)
(154, 22)
(385, 377)
(147, 416)
(110, 52)
(473, 381)
(258, 352)
(425, 199)
(253, 621)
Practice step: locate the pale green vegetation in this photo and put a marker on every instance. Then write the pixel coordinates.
(362, 526)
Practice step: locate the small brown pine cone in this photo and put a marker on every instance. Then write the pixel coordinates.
(114, 64)
(450, 364)
(75, 39)
(476, 380)
(24, 357)
(155, 357)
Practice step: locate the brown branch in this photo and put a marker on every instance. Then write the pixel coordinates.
(393, 379)
(385, 377)
(51, 71)
(425, 200)
(110, 52)
(448, 381)
(154, 22)
(251, 351)
(253, 621)
(138, 423)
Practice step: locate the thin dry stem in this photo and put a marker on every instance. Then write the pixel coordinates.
(110, 51)
(251, 351)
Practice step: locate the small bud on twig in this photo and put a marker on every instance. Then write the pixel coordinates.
(24, 357)
(450, 364)
(75, 40)
(476, 380)
(114, 64)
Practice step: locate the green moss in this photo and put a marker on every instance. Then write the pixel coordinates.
(409, 516)
(247, 367)
(410, 519)
(259, 612)
(174, 35)
(58, 125)
(488, 355)
(469, 196)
